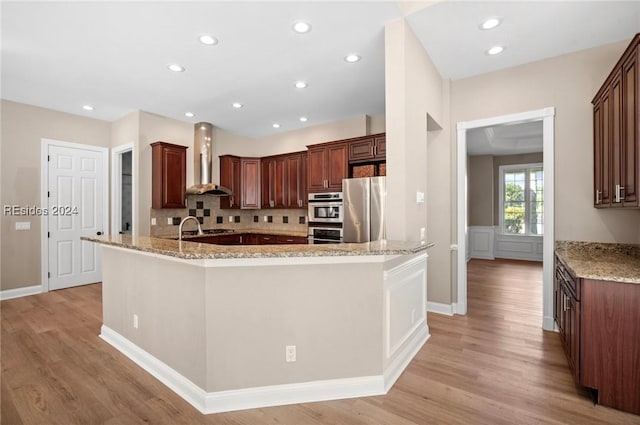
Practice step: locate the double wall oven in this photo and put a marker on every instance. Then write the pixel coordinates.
(326, 212)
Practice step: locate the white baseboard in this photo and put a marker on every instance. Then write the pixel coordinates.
(274, 395)
(402, 360)
(548, 324)
(8, 294)
(440, 308)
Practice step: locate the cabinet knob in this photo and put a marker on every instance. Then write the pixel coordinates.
(98, 233)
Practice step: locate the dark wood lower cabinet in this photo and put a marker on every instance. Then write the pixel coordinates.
(599, 325)
(249, 239)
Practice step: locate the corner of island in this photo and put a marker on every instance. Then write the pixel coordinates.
(212, 322)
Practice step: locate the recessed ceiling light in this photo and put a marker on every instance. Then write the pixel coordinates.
(208, 40)
(237, 105)
(87, 108)
(491, 23)
(189, 114)
(301, 85)
(352, 58)
(301, 27)
(495, 50)
(303, 119)
(276, 125)
(175, 67)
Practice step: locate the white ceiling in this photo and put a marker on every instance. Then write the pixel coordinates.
(113, 55)
(510, 139)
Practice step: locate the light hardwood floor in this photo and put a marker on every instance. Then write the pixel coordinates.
(492, 366)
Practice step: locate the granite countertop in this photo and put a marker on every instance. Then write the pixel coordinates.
(201, 251)
(601, 261)
(302, 234)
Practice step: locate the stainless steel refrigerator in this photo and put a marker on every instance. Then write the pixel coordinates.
(364, 205)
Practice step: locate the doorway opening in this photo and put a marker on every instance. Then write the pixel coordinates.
(123, 210)
(519, 217)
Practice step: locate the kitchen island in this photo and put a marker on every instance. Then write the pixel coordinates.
(220, 325)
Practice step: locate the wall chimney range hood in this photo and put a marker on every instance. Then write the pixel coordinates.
(203, 143)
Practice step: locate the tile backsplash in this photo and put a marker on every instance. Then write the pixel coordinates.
(207, 210)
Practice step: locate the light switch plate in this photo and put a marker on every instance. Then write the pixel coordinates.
(23, 225)
(230, 219)
(153, 221)
(169, 220)
(420, 197)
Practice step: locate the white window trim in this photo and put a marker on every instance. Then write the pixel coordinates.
(501, 170)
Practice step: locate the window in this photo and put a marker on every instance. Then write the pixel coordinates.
(521, 199)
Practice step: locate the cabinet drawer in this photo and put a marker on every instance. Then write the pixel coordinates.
(290, 240)
(565, 278)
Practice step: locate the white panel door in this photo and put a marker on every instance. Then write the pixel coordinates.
(75, 209)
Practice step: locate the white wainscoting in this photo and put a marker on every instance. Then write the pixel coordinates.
(519, 247)
(481, 242)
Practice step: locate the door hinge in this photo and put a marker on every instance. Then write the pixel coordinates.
(49, 275)
(48, 234)
(48, 158)
(48, 194)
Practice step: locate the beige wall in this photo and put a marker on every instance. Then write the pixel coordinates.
(481, 190)
(23, 128)
(568, 83)
(413, 90)
(529, 158)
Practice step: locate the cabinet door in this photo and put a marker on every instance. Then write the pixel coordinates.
(168, 175)
(338, 167)
(616, 139)
(268, 172)
(380, 146)
(316, 173)
(362, 150)
(302, 187)
(280, 186)
(598, 164)
(293, 180)
(230, 174)
(631, 130)
(266, 239)
(250, 183)
(605, 197)
(573, 311)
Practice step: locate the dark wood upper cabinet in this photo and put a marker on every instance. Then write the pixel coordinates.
(242, 176)
(367, 149)
(250, 183)
(296, 190)
(616, 134)
(282, 177)
(230, 177)
(327, 166)
(631, 128)
(168, 175)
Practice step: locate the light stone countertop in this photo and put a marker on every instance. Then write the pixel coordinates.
(601, 261)
(200, 251)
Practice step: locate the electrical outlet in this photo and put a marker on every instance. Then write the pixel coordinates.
(420, 197)
(170, 220)
(264, 219)
(135, 321)
(23, 225)
(230, 219)
(423, 233)
(153, 221)
(290, 353)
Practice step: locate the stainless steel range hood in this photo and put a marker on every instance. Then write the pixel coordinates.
(203, 143)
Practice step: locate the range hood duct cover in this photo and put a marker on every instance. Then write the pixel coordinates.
(203, 143)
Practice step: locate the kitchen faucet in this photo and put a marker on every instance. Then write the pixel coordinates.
(200, 232)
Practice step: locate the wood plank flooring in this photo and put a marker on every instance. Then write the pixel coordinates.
(492, 366)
